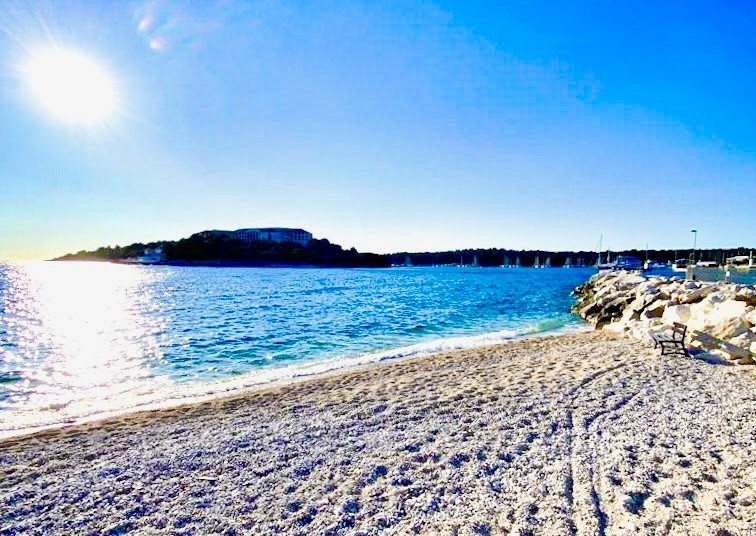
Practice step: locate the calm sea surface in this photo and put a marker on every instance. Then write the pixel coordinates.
(84, 339)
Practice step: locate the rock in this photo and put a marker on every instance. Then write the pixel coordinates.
(617, 305)
(668, 290)
(746, 294)
(655, 309)
(696, 295)
(727, 310)
(630, 315)
(608, 297)
(718, 297)
(729, 328)
(676, 313)
(721, 354)
(647, 287)
(746, 361)
(640, 303)
(744, 340)
(589, 311)
(629, 280)
(642, 330)
(614, 327)
(630, 304)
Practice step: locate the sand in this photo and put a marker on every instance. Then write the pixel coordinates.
(579, 434)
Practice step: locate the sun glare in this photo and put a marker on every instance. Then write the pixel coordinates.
(72, 86)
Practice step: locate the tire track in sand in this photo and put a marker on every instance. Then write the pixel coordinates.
(581, 482)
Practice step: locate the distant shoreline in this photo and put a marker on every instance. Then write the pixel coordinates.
(214, 263)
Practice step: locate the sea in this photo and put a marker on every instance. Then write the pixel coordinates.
(84, 340)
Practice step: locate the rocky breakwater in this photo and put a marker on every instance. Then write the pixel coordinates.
(630, 303)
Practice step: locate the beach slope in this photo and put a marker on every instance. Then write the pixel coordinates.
(587, 433)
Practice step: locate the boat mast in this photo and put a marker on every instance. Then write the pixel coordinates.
(601, 238)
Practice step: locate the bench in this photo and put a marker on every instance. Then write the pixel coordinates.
(672, 343)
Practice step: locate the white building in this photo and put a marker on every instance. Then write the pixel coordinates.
(273, 234)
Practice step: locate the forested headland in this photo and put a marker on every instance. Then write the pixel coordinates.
(202, 249)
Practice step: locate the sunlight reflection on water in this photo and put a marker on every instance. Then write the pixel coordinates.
(78, 339)
(79, 331)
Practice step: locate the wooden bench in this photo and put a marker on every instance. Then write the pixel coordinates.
(672, 343)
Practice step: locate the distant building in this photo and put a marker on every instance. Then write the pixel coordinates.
(152, 256)
(274, 234)
(263, 234)
(216, 234)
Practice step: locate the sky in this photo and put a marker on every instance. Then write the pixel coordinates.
(386, 126)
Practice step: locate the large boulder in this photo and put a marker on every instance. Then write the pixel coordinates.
(643, 328)
(747, 295)
(744, 340)
(712, 311)
(727, 310)
(647, 287)
(676, 313)
(696, 294)
(655, 309)
(641, 302)
(669, 290)
(629, 280)
(729, 329)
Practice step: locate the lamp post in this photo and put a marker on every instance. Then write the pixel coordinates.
(690, 273)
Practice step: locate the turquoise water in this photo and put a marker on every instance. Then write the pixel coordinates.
(80, 339)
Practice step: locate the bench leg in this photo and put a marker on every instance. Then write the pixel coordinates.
(673, 348)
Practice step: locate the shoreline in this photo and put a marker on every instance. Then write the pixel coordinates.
(582, 433)
(262, 380)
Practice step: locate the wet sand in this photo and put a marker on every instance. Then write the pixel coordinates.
(579, 434)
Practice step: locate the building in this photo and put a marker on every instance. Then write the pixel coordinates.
(152, 256)
(273, 234)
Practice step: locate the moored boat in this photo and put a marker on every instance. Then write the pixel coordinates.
(628, 262)
(680, 265)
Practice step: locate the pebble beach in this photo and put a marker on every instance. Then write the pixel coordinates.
(587, 433)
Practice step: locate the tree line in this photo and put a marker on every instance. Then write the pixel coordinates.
(499, 257)
(203, 248)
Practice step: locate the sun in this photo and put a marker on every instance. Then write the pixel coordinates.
(71, 86)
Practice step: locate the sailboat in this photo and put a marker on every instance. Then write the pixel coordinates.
(608, 265)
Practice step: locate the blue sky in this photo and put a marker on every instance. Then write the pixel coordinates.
(387, 126)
